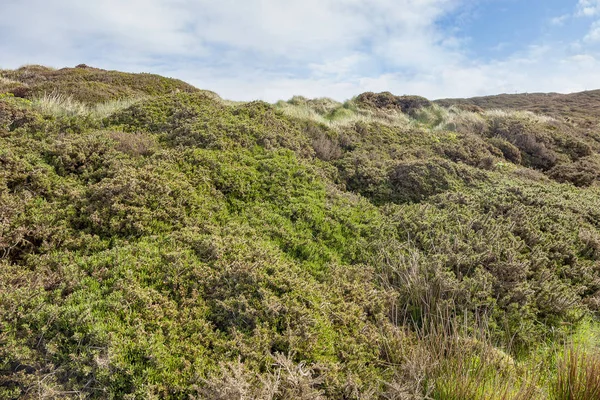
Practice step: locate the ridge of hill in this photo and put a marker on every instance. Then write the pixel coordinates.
(582, 108)
(86, 84)
(157, 241)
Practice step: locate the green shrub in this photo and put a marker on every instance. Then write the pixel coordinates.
(92, 85)
(174, 245)
(418, 180)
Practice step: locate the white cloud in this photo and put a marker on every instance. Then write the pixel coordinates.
(291, 28)
(560, 20)
(588, 8)
(273, 49)
(594, 33)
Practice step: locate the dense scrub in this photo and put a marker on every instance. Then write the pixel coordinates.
(86, 84)
(581, 108)
(178, 246)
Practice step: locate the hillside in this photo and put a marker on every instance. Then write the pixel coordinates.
(157, 241)
(583, 107)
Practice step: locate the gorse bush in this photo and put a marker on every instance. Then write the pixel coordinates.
(159, 242)
(90, 85)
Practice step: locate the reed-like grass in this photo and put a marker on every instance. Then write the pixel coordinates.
(522, 115)
(342, 115)
(6, 81)
(578, 375)
(61, 105)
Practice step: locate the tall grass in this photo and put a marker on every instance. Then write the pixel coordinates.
(578, 375)
(453, 357)
(435, 117)
(61, 105)
(453, 354)
(102, 110)
(7, 81)
(340, 115)
(522, 115)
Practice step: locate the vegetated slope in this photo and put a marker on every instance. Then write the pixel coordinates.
(86, 84)
(583, 107)
(178, 246)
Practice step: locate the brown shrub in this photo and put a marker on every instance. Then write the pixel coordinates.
(582, 173)
(326, 148)
(20, 91)
(534, 150)
(470, 108)
(487, 163)
(531, 174)
(575, 148)
(509, 151)
(135, 144)
(591, 243)
(536, 153)
(12, 117)
(387, 101)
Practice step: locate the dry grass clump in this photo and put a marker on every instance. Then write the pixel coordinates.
(299, 111)
(434, 116)
(578, 375)
(322, 105)
(285, 380)
(61, 105)
(103, 110)
(522, 115)
(343, 115)
(451, 119)
(464, 121)
(579, 109)
(452, 360)
(451, 355)
(6, 81)
(459, 119)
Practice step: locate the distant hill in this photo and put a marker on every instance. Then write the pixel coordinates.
(583, 107)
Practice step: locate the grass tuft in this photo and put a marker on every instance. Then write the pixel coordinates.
(337, 116)
(60, 105)
(578, 375)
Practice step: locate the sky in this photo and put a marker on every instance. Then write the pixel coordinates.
(275, 49)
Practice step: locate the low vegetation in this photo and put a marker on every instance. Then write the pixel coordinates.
(157, 241)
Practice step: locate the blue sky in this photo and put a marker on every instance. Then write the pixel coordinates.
(274, 49)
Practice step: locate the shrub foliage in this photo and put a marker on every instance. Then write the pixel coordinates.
(179, 246)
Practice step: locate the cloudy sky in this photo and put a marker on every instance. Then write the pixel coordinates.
(273, 49)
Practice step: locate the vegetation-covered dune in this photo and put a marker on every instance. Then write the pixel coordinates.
(583, 107)
(157, 241)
